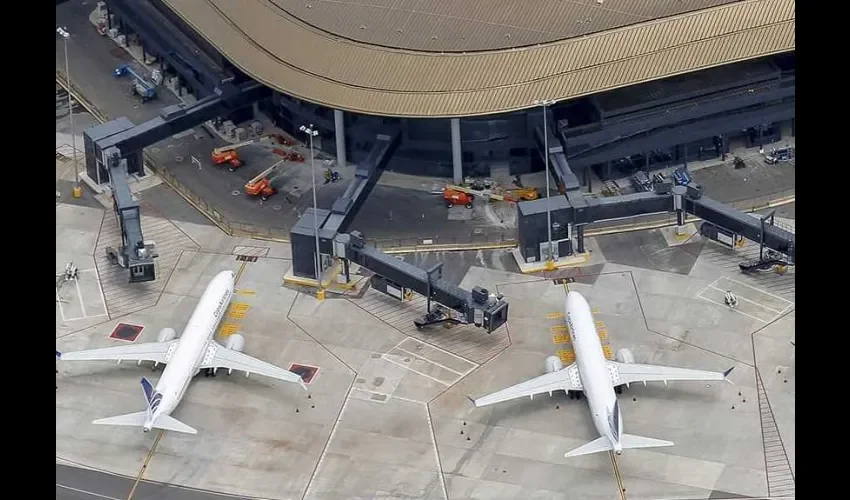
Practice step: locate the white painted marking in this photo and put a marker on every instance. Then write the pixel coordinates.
(61, 311)
(432, 346)
(754, 288)
(758, 304)
(80, 297)
(737, 311)
(437, 454)
(84, 492)
(385, 358)
(102, 297)
(388, 396)
(84, 317)
(429, 361)
(328, 445)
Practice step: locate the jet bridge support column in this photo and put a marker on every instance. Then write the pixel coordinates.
(457, 158)
(580, 238)
(339, 130)
(434, 273)
(679, 193)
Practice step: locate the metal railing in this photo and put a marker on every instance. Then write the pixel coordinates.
(477, 238)
(231, 227)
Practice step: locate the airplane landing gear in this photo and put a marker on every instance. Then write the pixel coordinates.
(618, 389)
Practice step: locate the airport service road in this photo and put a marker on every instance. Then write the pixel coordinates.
(73, 483)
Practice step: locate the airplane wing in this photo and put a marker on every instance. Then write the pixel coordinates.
(628, 373)
(149, 351)
(234, 360)
(566, 379)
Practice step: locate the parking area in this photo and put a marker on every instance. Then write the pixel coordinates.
(80, 302)
(80, 298)
(388, 409)
(515, 449)
(256, 437)
(752, 302)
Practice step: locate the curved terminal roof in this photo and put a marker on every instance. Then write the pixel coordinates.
(455, 58)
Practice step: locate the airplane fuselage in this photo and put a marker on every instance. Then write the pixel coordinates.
(192, 347)
(593, 369)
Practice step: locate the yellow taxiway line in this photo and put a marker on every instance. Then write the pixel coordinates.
(145, 465)
(618, 476)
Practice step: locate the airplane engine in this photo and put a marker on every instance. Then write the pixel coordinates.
(553, 364)
(235, 342)
(166, 334)
(625, 356)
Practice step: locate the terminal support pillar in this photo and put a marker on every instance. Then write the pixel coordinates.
(580, 239)
(679, 193)
(256, 109)
(457, 161)
(339, 130)
(793, 128)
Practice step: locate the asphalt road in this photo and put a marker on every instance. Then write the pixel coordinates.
(73, 483)
(93, 58)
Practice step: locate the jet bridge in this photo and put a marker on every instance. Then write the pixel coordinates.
(572, 212)
(393, 276)
(114, 151)
(564, 177)
(134, 254)
(343, 210)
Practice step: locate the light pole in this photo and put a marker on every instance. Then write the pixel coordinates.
(545, 104)
(77, 192)
(310, 131)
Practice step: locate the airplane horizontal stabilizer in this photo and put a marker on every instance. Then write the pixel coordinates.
(596, 446)
(632, 441)
(169, 423)
(129, 420)
(164, 422)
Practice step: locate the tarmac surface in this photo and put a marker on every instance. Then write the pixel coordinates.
(388, 404)
(74, 483)
(392, 399)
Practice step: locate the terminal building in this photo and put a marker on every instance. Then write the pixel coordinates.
(626, 84)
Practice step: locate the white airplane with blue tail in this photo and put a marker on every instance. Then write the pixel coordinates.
(184, 358)
(597, 378)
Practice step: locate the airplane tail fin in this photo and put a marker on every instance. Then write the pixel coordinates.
(152, 398)
(628, 441)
